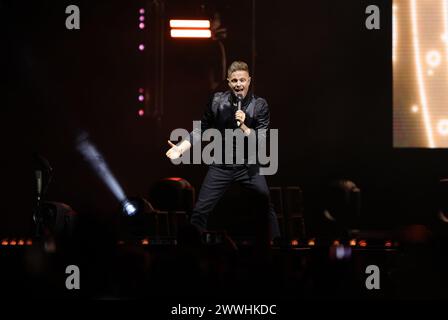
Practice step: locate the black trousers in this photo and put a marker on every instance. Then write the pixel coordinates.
(215, 184)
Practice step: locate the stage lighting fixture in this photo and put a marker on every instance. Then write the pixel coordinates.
(133, 206)
(173, 194)
(342, 202)
(338, 210)
(442, 202)
(129, 208)
(141, 18)
(57, 219)
(294, 242)
(341, 252)
(187, 33)
(190, 29)
(174, 197)
(138, 218)
(143, 99)
(190, 24)
(336, 243)
(362, 243)
(43, 175)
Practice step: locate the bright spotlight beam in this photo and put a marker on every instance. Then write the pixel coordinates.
(99, 166)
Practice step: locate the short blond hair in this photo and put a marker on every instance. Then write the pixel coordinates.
(237, 66)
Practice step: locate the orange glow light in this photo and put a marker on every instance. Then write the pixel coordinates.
(29, 242)
(5, 242)
(353, 242)
(294, 242)
(12, 242)
(363, 243)
(190, 33)
(311, 242)
(174, 179)
(145, 242)
(190, 24)
(21, 242)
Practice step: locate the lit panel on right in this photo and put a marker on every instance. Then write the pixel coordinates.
(420, 73)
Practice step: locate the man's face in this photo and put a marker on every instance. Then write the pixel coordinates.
(239, 82)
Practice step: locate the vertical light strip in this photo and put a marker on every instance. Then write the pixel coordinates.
(421, 85)
(394, 33)
(445, 22)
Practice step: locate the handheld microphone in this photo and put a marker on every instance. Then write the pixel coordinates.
(240, 98)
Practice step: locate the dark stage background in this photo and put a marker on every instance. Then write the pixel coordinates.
(328, 81)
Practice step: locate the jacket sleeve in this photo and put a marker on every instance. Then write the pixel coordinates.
(260, 128)
(207, 121)
(262, 118)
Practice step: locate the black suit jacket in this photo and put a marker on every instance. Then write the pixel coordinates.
(220, 115)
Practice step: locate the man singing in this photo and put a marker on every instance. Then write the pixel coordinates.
(223, 113)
